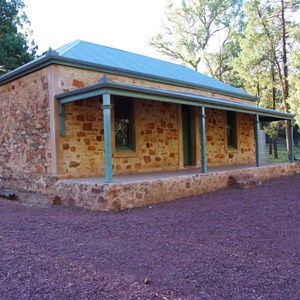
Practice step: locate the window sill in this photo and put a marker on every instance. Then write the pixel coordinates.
(232, 150)
(124, 154)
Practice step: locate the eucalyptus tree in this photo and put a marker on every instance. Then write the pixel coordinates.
(266, 47)
(219, 62)
(15, 47)
(294, 78)
(192, 30)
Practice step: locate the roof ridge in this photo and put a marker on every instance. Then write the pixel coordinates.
(121, 50)
(64, 49)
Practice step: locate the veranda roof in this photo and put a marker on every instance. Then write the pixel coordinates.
(107, 86)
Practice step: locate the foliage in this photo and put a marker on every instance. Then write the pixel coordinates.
(253, 62)
(294, 79)
(218, 64)
(266, 52)
(189, 29)
(15, 47)
(272, 130)
(265, 45)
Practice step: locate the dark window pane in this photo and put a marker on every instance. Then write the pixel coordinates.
(123, 123)
(231, 129)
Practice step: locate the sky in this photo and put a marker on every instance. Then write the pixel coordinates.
(123, 24)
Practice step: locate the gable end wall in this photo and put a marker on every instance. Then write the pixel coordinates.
(24, 136)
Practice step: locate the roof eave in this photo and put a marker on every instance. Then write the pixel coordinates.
(30, 67)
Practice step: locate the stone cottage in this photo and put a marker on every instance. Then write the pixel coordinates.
(86, 110)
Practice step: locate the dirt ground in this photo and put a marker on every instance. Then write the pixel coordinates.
(230, 244)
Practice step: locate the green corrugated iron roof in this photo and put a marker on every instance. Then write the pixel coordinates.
(88, 55)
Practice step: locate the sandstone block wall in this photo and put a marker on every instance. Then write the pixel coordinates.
(82, 147)
(158, 140)
(25, 154)
(218, 153)
(158, 136)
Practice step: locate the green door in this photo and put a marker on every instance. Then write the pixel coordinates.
(186, 131)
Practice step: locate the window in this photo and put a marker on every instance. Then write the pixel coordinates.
(231, 130)
(124, 137)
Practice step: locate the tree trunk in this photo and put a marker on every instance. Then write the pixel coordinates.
(270, 146)
(275, 148)
(284, 79)
(273, 89)
(296, 135)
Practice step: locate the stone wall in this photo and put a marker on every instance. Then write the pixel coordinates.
(218, 153)
(118, 196)
(24, 136)
(82, 147)
(158, 140)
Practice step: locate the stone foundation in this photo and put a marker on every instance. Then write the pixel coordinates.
(30, 182)
(119, 196)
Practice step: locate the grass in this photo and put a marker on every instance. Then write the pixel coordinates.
(282, 152)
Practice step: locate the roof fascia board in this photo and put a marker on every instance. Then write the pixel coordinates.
(255, 110)
(40, 63)
(168, 96)
(183, 98)
(217, 105)
(55, 59)
(88, 94)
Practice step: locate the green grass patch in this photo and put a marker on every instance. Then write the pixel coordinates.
(282, 153)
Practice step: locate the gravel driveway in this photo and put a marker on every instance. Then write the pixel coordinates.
(230, 244)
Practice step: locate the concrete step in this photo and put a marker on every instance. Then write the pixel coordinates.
(243, 181)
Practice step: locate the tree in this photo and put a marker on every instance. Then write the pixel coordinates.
(15, 47)
(253, 63)
(218, 63)
(294, 78)
(190, 28)
(266, 50)
(272, 132)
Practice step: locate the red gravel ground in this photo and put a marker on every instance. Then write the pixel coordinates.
(231, 244)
